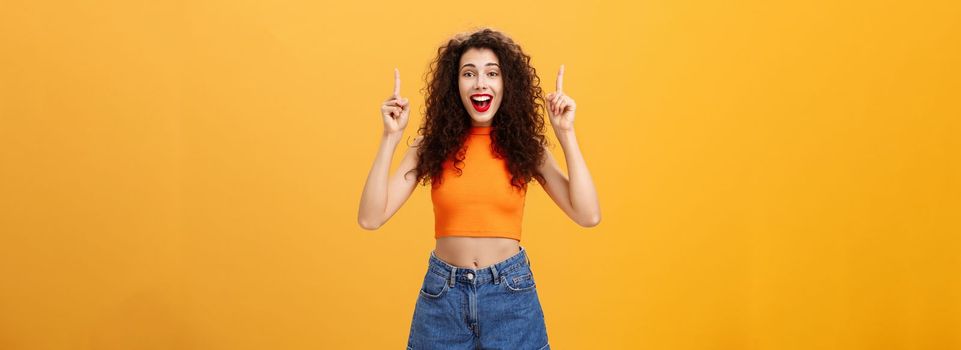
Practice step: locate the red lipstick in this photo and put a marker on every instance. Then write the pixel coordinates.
(481, 102)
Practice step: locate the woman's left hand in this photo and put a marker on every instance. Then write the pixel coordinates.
(560, 107)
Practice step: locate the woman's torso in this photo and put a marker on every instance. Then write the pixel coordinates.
(477, 212)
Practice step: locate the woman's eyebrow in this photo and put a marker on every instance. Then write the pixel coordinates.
(488, 64)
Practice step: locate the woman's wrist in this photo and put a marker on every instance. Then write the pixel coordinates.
(392, 136)
(564, 132)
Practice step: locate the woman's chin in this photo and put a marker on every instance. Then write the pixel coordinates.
(482, 118)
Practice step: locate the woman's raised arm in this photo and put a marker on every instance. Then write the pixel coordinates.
(383, 196)
(576, 195)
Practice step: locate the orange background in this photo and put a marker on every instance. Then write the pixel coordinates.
(772, 175)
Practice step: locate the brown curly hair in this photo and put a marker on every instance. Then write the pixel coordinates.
(517, 128)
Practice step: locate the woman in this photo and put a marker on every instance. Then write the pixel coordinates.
(481, 142)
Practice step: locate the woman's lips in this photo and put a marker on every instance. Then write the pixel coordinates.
(481, 106)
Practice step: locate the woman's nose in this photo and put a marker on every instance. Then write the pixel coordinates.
(480, 84)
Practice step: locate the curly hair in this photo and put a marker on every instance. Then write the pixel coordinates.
(517, 128)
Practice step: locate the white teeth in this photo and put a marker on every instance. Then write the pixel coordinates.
(481, 98)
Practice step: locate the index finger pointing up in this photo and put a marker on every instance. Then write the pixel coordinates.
(396, 82)
(560, 79)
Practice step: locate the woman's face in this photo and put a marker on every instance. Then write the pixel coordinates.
(481, 85)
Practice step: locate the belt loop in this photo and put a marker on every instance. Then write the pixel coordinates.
(453, 273)
(494, 272)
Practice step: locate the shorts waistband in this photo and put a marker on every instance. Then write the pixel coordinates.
(490, 273)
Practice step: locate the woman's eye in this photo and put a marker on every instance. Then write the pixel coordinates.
(468, 74)
(493, 74)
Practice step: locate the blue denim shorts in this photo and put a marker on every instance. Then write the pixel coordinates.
(495, 307)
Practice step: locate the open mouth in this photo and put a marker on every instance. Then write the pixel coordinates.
(481, 102)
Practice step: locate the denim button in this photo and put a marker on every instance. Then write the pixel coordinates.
(470, 276)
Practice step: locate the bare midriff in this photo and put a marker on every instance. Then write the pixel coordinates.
(475, 252)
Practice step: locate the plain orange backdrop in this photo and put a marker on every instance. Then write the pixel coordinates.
(772, 175)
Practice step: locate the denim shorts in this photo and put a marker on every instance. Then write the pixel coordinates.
(495, 307)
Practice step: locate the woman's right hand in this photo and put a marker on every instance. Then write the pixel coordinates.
(395, 109)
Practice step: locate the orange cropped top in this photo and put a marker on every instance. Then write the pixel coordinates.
(480, 202)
